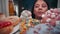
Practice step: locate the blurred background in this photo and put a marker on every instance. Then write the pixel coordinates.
(15, 7)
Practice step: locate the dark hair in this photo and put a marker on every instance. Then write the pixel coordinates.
(33, 16)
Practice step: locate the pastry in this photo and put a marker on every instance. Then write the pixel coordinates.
(23, 27)
(14, 19)
(6, 27)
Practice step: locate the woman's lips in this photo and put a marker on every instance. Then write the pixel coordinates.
(39, 13)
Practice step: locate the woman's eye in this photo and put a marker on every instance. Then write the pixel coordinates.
(43, 6)
(36, 6)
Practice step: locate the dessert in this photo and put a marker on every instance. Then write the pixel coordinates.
(23, 27)
(26, 14)
(6, 27)
(14, 19)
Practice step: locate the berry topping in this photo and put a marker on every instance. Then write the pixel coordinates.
(5, 24)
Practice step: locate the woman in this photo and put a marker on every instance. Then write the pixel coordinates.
(39, 8)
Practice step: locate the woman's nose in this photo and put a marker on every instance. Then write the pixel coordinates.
(40, 8)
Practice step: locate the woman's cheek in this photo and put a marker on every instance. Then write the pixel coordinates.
(37, 14)
(45, 9)
(36, 11)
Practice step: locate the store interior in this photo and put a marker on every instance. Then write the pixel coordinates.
(16, 17)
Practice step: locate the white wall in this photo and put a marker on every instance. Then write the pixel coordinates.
(0, 6)
(58, 3)
(16, 9)
(4, 7)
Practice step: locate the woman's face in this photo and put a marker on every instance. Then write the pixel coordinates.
(40, 8)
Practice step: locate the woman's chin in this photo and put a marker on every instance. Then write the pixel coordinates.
(39, 15)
